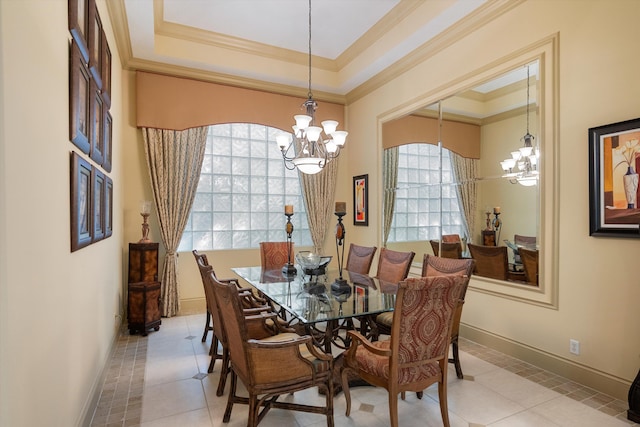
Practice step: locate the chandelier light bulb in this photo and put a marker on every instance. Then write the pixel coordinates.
(339, 137)
(302, 121)
(283, 140)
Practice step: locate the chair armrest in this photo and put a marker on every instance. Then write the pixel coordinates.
(359, 339)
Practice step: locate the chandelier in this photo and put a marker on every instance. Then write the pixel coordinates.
(309, 150)
(522, 166)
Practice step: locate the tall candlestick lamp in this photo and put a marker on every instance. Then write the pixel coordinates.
(289, 269)
(340, 285)
(145, 211)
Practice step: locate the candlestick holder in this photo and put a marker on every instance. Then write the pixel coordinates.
(497, 224)
(488, 214)
(289, 269)
(340, 285)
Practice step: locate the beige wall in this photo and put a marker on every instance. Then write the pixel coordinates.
(598, 284)
(59, 310)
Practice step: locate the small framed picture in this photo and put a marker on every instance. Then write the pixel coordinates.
(360, 200)
(614, 160)
(79, 91)
(98, 200)
(94, 38)
(107, 124)
(106, 72)
(79, 25)
(81, 215)
(360, 299)
(96, 133)
(108, 207)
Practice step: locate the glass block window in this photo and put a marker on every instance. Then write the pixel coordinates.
(417, 209)
(242, 192)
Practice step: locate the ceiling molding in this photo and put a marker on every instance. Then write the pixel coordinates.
(382, 27)
(184, 32)
(119, 22)
(479, 17)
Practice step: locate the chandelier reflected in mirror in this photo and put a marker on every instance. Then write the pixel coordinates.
(522, 166)
(310, 148)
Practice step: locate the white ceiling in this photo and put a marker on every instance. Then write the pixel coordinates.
(253, 42)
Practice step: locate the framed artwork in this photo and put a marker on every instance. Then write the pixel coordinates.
(107, 124)
(79, 25)
(360, 200)
(108, 207)
(79, 90)
(96, 131)
(106, 72)
(614, 160)
(98, 200)
(360, 299)
(94, 38)
(81, 215)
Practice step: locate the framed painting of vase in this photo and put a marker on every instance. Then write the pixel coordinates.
(614, 161)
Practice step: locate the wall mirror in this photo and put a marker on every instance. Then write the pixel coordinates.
(444, 176)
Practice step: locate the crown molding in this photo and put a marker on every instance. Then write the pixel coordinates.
(481, 16)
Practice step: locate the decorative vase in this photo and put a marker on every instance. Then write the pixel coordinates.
(630, 180)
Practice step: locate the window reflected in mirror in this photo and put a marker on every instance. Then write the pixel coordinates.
(465, 170)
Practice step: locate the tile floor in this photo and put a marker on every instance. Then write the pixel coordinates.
(161, 381)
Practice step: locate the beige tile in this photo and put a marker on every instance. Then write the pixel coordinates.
(172, 398)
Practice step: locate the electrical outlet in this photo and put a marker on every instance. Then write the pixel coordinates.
(574, 346)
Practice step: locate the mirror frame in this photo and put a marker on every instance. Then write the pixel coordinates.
(546, 52)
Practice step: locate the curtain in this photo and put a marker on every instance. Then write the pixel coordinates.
(174, 159)
(319, 192)
(465, 172)
(390, 174)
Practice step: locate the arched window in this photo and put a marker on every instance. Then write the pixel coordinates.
(242, 192)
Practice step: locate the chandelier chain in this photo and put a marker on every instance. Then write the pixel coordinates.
(309, 94)
(527, 98)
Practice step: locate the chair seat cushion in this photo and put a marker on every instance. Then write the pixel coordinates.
(385, 318)
(379, 365)
(319, 365)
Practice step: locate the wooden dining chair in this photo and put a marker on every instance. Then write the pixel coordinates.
(359, 258)
(415, 355)
(249, 301)
(274, 255)
(201, 260)
(269, 361)
(491, 261)
(449, 249)
(394, 266)
(437, 266)
(530, 263)
(451, 238)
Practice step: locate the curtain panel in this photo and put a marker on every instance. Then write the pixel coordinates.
(174, 159)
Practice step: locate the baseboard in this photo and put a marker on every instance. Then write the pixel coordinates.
(94, 396)
(585, 375)
(192, 306)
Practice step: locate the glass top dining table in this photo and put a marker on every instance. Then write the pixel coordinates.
(312, 298)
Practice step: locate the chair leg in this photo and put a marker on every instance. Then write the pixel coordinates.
(456, 358)
(329, 401)
(344, 373)
(207, 327)
(393, 409)
(232, 395)
(444, 407)
(254, 407)
(213, 352)
(224, 371)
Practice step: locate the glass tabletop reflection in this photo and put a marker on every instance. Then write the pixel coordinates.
(312, 298)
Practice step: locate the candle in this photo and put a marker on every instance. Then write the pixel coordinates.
(288, 209)
(496, 210)
(145, 207)
(341, 208)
